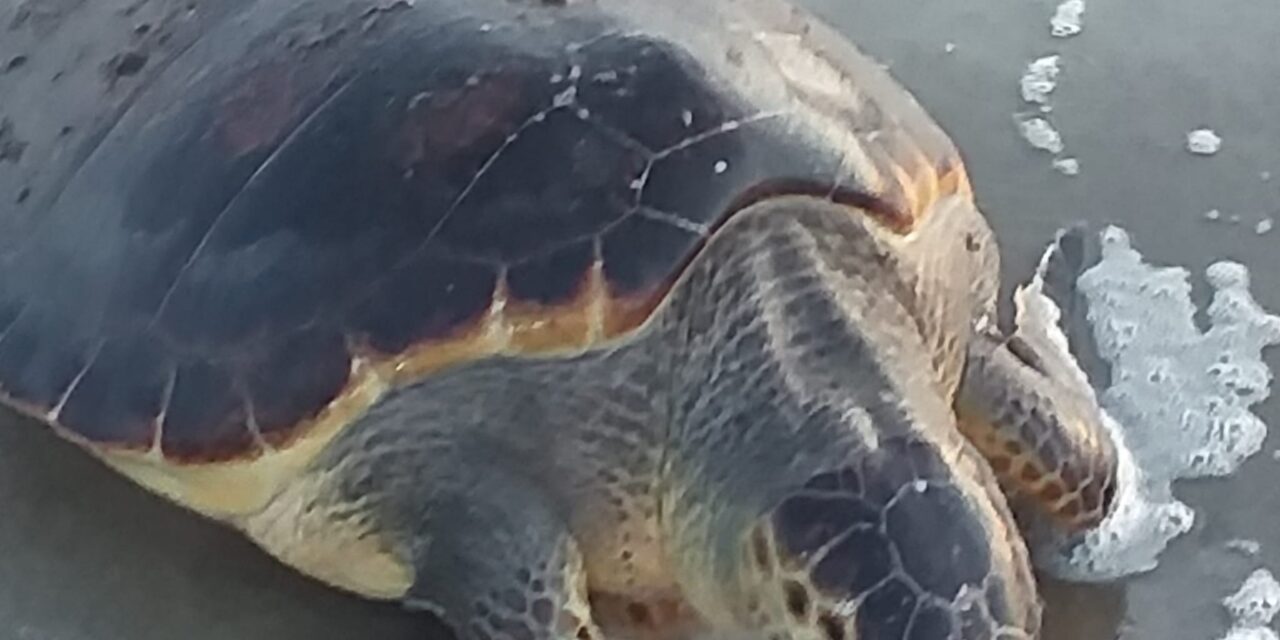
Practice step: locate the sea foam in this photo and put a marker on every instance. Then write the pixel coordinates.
(1177, 399)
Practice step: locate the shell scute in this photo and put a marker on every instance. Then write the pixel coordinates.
(425, 299)
(121, 391)
(558, 179)
(295, 381)
(650, 91)
(632, 272)
(554, 278)
(40, 356)
(206, 416)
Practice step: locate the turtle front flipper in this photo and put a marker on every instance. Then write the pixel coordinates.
(495, 560)
(1029, 410)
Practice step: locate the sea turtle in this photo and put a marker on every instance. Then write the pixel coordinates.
(562, 319)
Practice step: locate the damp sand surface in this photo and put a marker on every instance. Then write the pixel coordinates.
(99, 560)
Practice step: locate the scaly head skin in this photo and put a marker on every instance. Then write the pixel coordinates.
(816, 484)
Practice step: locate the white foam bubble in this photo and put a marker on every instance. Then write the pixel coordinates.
(1204, 142)
(1067, 166)
(1250, 633)
(1040, 79)
(1179, 401)
(1244, 546)
(1041, 135)
(1253, 606)
(1067, 18)
(1257, 601)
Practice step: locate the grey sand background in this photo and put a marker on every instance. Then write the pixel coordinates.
(85, 556)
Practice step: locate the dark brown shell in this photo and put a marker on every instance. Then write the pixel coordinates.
(289, 206)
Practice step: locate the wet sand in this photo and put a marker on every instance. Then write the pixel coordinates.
(85, 556)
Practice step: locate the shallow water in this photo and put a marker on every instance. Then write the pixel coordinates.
(97, 559)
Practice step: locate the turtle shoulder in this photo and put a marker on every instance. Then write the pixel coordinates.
(301, 204)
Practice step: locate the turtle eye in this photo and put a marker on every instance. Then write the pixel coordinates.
(1025, 353)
